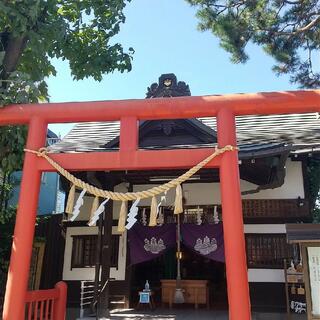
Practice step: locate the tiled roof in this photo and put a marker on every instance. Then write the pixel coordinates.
(301, 131)
(88, 136)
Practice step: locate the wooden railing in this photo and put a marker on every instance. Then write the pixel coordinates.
(275, 208)
(47, 304)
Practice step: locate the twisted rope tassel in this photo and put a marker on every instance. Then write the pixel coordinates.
(94, 208)
(153, 212)
(70, 201)
(178, 203)
(130, 196)
(123, 216)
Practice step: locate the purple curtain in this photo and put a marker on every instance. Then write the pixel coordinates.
(147, 243)
(206, 240)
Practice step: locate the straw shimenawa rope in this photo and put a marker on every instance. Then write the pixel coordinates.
(130, 196)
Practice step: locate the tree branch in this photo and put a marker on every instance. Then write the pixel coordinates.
(299, 30)
(308, 26)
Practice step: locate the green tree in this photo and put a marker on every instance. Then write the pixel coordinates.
(288, 30)
(35, 31)
(32, 33)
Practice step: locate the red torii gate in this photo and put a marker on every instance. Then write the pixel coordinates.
(129, 157)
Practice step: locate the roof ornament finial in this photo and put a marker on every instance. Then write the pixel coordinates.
(168, 86)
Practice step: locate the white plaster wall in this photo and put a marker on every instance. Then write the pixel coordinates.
(194, 193)
(88, 273)
(266, 275)
(209, 193)
(291, 189)
(265, 228)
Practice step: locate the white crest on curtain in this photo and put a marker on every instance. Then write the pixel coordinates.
(97, 213)
(206, 245)
(153, 245)
(131, 220)
(79, 203)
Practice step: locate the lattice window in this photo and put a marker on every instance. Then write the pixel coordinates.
(84, 251)
(267, 250)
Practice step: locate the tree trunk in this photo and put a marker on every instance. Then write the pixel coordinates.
(14, 47)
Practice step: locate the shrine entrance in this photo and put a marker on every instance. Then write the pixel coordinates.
(193, 267)
(191, 250)
(200, 268)
(129, 157)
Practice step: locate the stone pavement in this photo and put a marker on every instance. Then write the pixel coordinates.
(187, 314)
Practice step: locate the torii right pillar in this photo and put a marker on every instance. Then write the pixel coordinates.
(234, 242)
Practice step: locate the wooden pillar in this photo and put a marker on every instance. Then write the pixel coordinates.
(234, 242)
(97, 263)
(103, 301)
(18, 273)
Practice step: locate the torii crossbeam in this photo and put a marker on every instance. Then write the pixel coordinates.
(129, 157)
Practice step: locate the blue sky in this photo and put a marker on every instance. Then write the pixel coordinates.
(165, 38)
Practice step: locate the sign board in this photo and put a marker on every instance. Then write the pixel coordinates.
(314, 276)
(144, 297)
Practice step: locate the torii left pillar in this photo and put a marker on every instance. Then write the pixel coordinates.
(232, 219)
(17, 282)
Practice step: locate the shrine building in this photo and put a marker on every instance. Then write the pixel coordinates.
(275, 156)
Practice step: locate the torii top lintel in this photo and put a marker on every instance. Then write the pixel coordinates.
(164, 108)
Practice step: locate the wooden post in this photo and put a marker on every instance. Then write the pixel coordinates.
(97, 263)
(18, 274)
(234, 244)
(103, 301)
